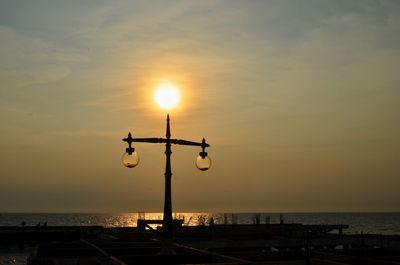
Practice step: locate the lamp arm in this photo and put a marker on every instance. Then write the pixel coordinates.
(185, 142)
(172, 141)
(149, 140)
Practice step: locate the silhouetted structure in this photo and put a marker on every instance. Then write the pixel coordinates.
(218, 244)
(201, 163)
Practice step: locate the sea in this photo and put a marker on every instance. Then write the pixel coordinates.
(387, 223)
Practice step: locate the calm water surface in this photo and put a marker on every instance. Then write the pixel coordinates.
(378, 223)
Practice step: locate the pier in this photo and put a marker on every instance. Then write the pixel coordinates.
(208, 244)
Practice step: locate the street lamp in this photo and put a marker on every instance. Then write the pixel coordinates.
(131, 159)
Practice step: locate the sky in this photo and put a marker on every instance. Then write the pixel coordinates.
(298, 99)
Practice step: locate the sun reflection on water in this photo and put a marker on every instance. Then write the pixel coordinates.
(189, 219)
(130, 219)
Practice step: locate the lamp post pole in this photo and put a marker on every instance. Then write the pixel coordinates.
(131, 159)
(167, 217)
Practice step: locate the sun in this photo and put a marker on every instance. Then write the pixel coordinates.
(167, 96)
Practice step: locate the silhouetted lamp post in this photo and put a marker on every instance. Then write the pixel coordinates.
(131, 159)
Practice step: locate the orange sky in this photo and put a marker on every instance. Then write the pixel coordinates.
(299, 100)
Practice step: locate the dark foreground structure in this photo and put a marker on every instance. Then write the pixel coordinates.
(211, 244)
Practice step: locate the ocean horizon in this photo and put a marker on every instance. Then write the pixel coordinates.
(359, 222)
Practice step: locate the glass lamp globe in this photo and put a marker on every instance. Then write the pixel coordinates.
(130, 160)
(203, 162)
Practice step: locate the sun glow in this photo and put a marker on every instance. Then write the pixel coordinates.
(167, 96)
